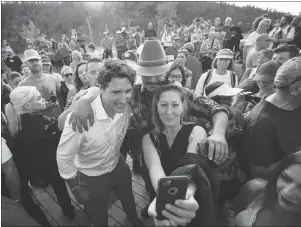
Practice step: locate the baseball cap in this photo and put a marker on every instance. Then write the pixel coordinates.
(263, 37)
(221, 89)
(267, 71)
(66, 70)
(197, 19)
(289, 72)
(31, 54)
(225, 53)
(189, 46)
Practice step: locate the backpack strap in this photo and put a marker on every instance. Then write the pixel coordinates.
(208, 78)
(233, 78)
(212, 43)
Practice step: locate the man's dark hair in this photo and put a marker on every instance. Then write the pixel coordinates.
(95, 60)
(235, 28)
(169, 25)
(221, 24)
(288, 17)
(115, 68)
(138, 28)
(91, 46)
(265, 16)
(291, 49)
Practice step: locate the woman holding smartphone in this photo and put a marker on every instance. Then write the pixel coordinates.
(164, 147)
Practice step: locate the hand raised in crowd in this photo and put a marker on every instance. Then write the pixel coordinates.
(181, 213)
(81, 115)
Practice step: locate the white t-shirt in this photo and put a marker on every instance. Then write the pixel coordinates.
(214, 78)
(250, 41)
(6, 153)
(252, 58)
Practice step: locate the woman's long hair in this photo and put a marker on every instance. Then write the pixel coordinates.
(268, 197)
(255, 23)
(158, 124)
(77, 81)
(13, 110)
(175, 66)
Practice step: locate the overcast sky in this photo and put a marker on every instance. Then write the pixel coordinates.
(293, 7)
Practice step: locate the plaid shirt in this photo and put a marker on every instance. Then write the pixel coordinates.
(141, 103)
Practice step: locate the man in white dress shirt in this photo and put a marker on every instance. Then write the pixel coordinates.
(90, 161)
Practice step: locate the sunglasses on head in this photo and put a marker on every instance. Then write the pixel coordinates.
(68, 75)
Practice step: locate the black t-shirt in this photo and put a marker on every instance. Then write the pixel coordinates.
(270, 134)
(297, 38)
(14, 63)
(150, 33)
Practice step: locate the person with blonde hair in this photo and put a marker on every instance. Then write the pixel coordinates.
(76, 58)
(35, 138)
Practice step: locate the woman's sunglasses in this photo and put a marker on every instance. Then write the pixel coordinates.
(68, 75)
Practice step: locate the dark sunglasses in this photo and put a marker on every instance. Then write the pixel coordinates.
(68, 75)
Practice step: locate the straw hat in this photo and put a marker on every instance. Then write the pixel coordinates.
(152, 60)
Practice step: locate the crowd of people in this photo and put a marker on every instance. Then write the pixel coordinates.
(173, 102)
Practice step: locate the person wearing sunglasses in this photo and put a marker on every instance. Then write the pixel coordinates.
(275, 123)
(67, 83)
(175, 46)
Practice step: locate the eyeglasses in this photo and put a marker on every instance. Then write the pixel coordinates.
(68, 75)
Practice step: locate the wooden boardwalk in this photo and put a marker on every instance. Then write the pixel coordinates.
(47, 200)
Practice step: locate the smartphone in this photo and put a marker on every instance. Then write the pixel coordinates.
(170, 189)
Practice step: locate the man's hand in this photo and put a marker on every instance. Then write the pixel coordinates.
(81, 114)
(218, 148)
(180, 213)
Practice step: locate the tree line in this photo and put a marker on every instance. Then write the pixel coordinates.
(21, 19)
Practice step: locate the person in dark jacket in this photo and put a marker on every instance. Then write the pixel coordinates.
(235, 39)
(12, 61)
(35, 138)
(66, 83)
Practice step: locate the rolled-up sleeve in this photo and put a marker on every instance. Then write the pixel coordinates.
(68, 147)
(202, 107)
